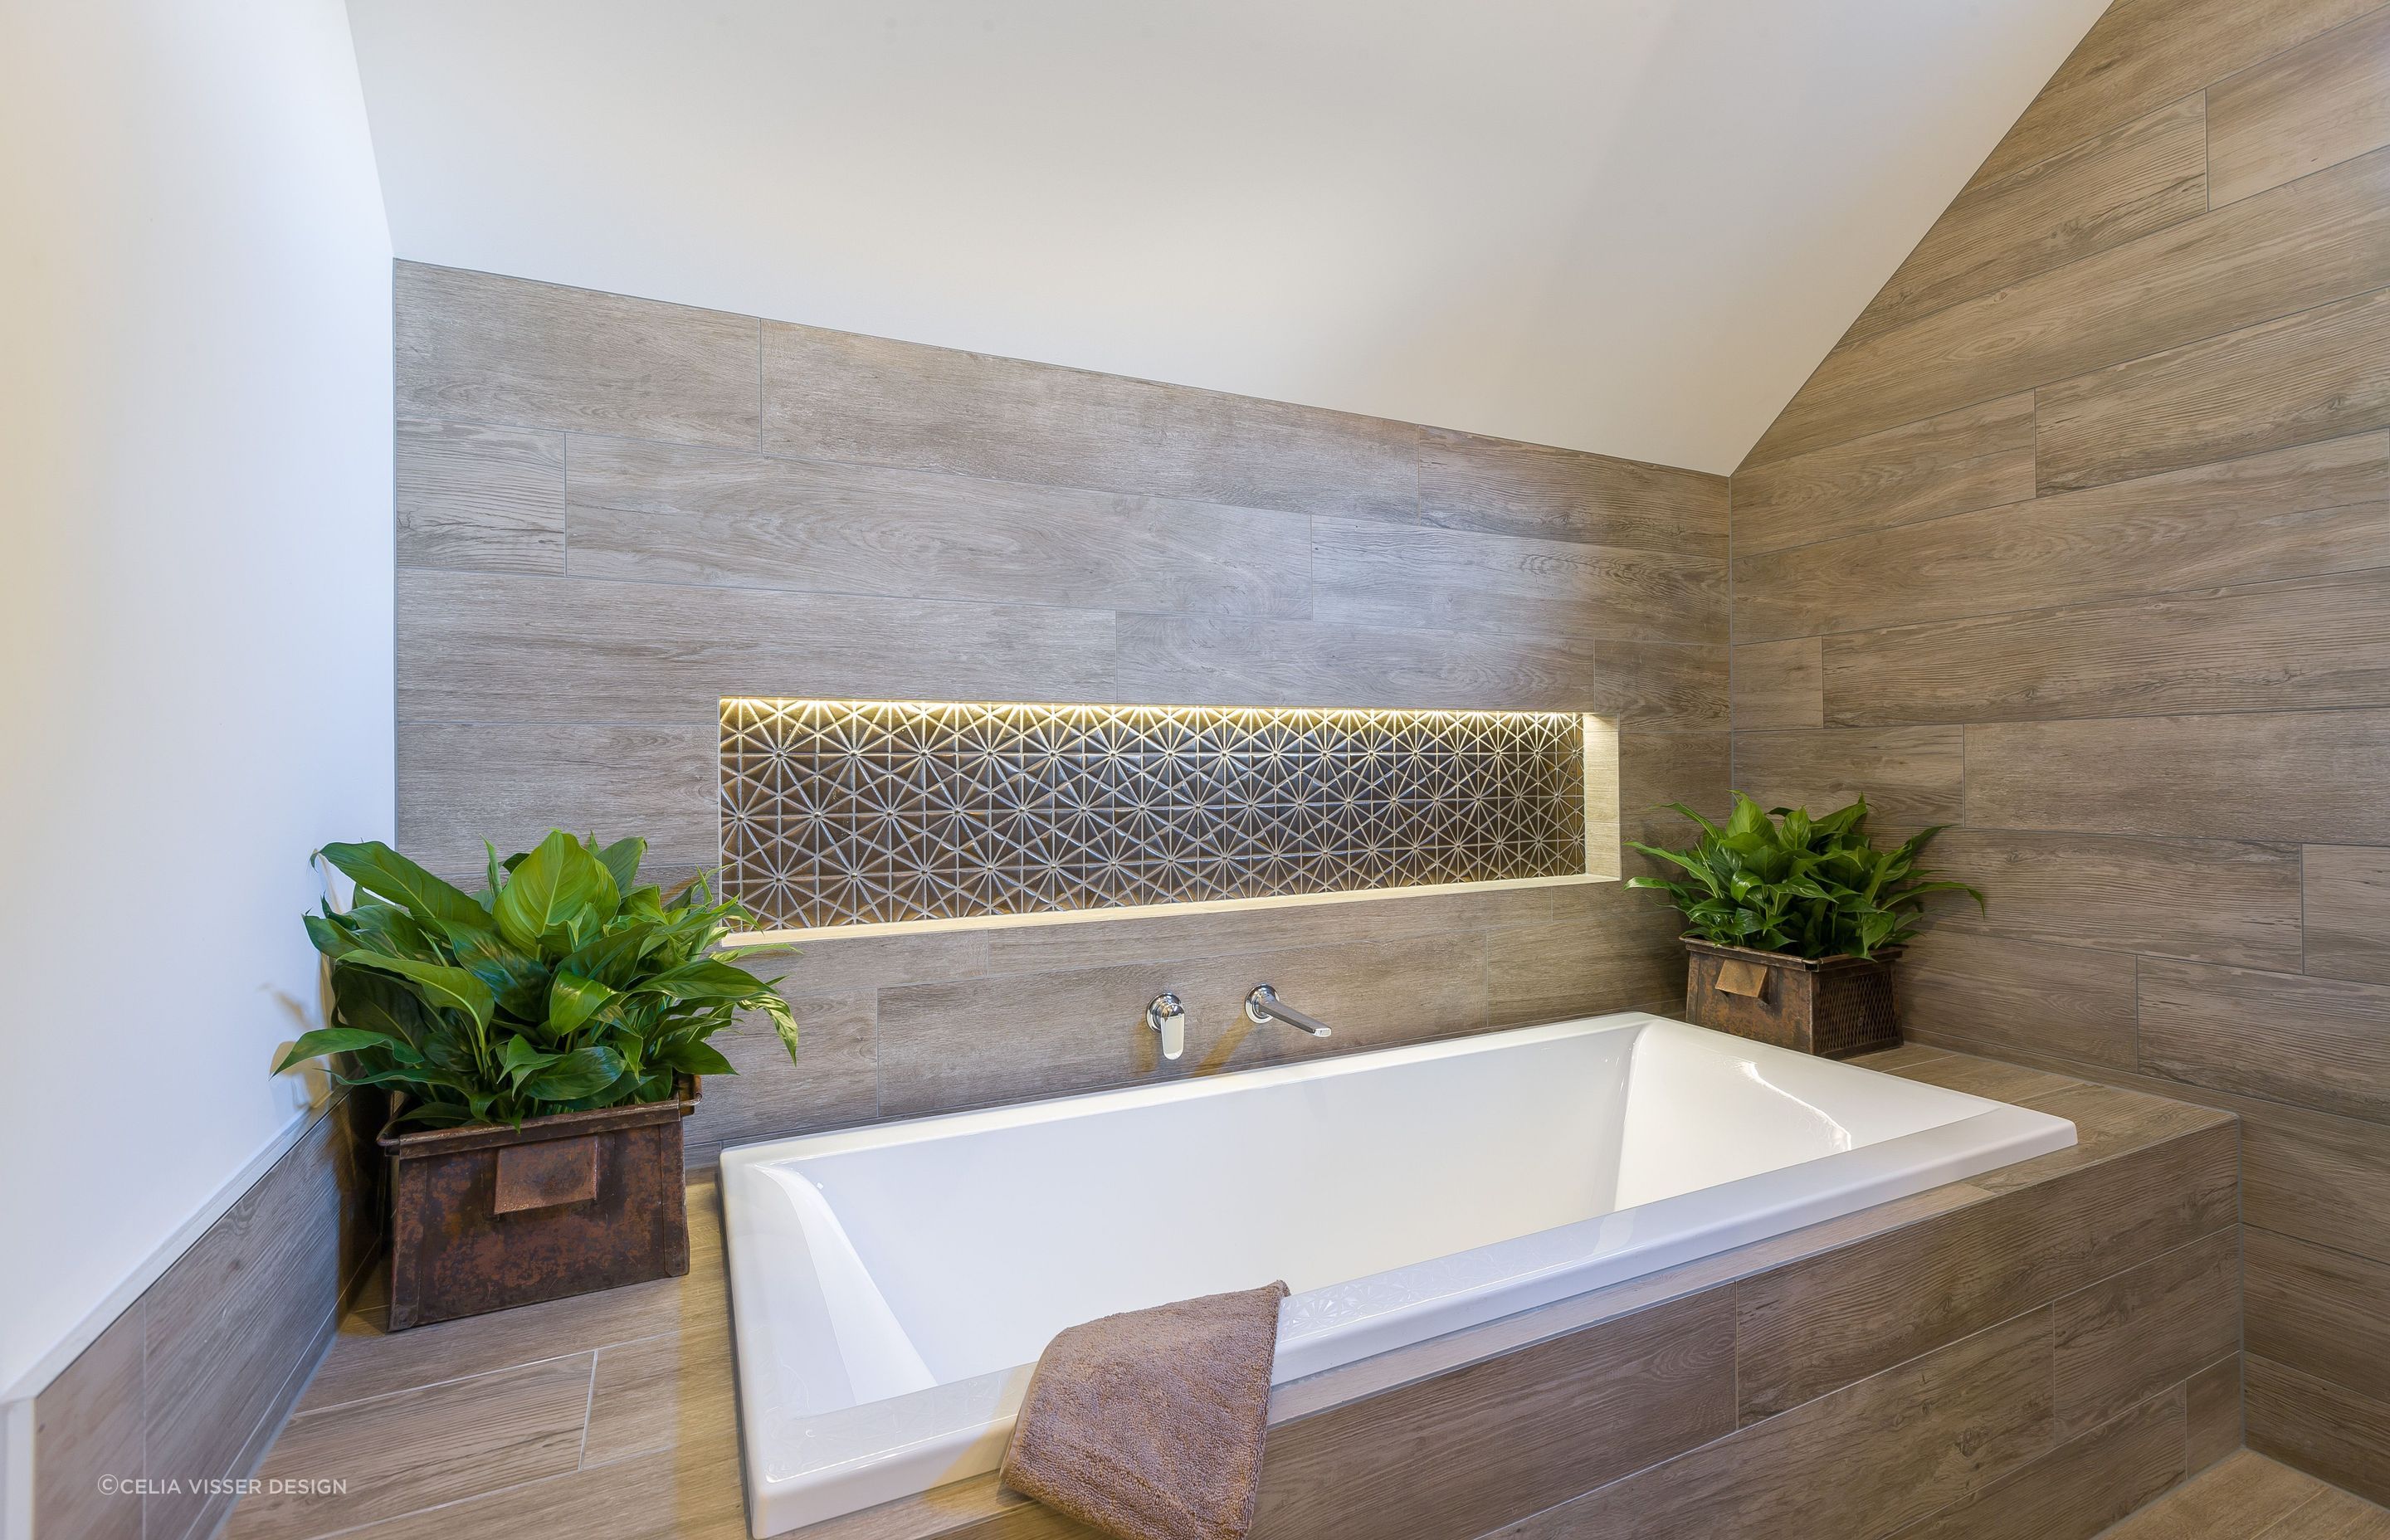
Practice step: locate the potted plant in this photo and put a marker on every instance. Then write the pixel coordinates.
(541, 1039)
(1795, 923)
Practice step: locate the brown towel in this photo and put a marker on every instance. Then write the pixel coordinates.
(1149, 1425)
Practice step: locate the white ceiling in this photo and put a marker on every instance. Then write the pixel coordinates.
(1624, 226)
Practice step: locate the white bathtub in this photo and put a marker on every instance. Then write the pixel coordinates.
(891, 1286)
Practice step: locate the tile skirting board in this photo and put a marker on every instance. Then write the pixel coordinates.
(181, 1391)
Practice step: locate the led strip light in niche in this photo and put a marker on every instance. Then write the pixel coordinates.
(859, 812)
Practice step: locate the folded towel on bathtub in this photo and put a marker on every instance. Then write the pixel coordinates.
(1147, 1425)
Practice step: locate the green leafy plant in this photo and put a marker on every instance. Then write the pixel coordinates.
(561, 986)
(1778, 881)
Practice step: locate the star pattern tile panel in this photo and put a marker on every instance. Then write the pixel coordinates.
(840, 812)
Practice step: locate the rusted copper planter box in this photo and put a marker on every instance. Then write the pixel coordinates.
(485, 1217)
(1831, 1007)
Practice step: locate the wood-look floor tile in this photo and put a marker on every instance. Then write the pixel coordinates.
(684, 1494)
(421, 1447)
(2243, 1497)
(662, 1393)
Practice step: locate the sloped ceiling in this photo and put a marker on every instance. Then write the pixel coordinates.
(1624, 225)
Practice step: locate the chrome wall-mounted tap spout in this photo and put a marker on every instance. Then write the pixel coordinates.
(1262, 1007)
(1168, 1016)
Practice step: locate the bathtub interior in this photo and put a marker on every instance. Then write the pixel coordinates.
(956, 1248)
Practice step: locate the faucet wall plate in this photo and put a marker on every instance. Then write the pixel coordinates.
(1262, 1007)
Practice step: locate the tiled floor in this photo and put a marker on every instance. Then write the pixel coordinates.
(2247, 1497)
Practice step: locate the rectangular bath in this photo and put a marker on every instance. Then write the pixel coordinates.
(891, 1286)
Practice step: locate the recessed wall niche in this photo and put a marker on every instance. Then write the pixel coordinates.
(838, 813)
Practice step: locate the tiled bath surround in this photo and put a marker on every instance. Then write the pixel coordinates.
(613, 513)
(2081, 541)
(2032, 1354)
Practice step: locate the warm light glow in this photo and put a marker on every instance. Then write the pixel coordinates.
(848, 815)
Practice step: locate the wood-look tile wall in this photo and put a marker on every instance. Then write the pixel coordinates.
(611, 512)
(2080, 540)
(187, 1388)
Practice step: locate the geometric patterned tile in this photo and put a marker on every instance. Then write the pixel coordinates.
(843, 811)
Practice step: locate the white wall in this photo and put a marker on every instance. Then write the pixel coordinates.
(196, 684)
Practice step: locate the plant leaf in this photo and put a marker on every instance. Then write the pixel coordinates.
(553, 882)
(330, 1040)
(381, 871)
(696, 1058)
(582, 1072)
(436, 982)
(572, 1000)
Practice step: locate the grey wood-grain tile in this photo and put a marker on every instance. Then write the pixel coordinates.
(832, 395)
(2143, 54)
(479, 497)
(2212, 1408)
(1172, 660)
(420, 1447)
(1621, 957)
(1657, 768)
(1503, 487)
(236, 1320)
(1911, 776)
(1780, 685)
(844, 964)
(2223, 901)
(2315, 105)
(2347, 890)
(1163, 936)
(1365, 572)
(2319, 1042)
(482, 648)
(461, 783)
(833, 1083)
(1661, 687)
(2141, 176)
(88, 1426)
(1584, 1408)
(1809, 1326)
(475, 347)
(2289, 775)
(1081, 1029)
(669, 513)
(2320, 1177)
(1994, 993)
(2297, 512)
(2314, 375)
(1861, 1461)
(2328, 1429)
(2311, 1307)
(2079, 1488)
(2304, 244)
(2130, 1336)
(1978, 456)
